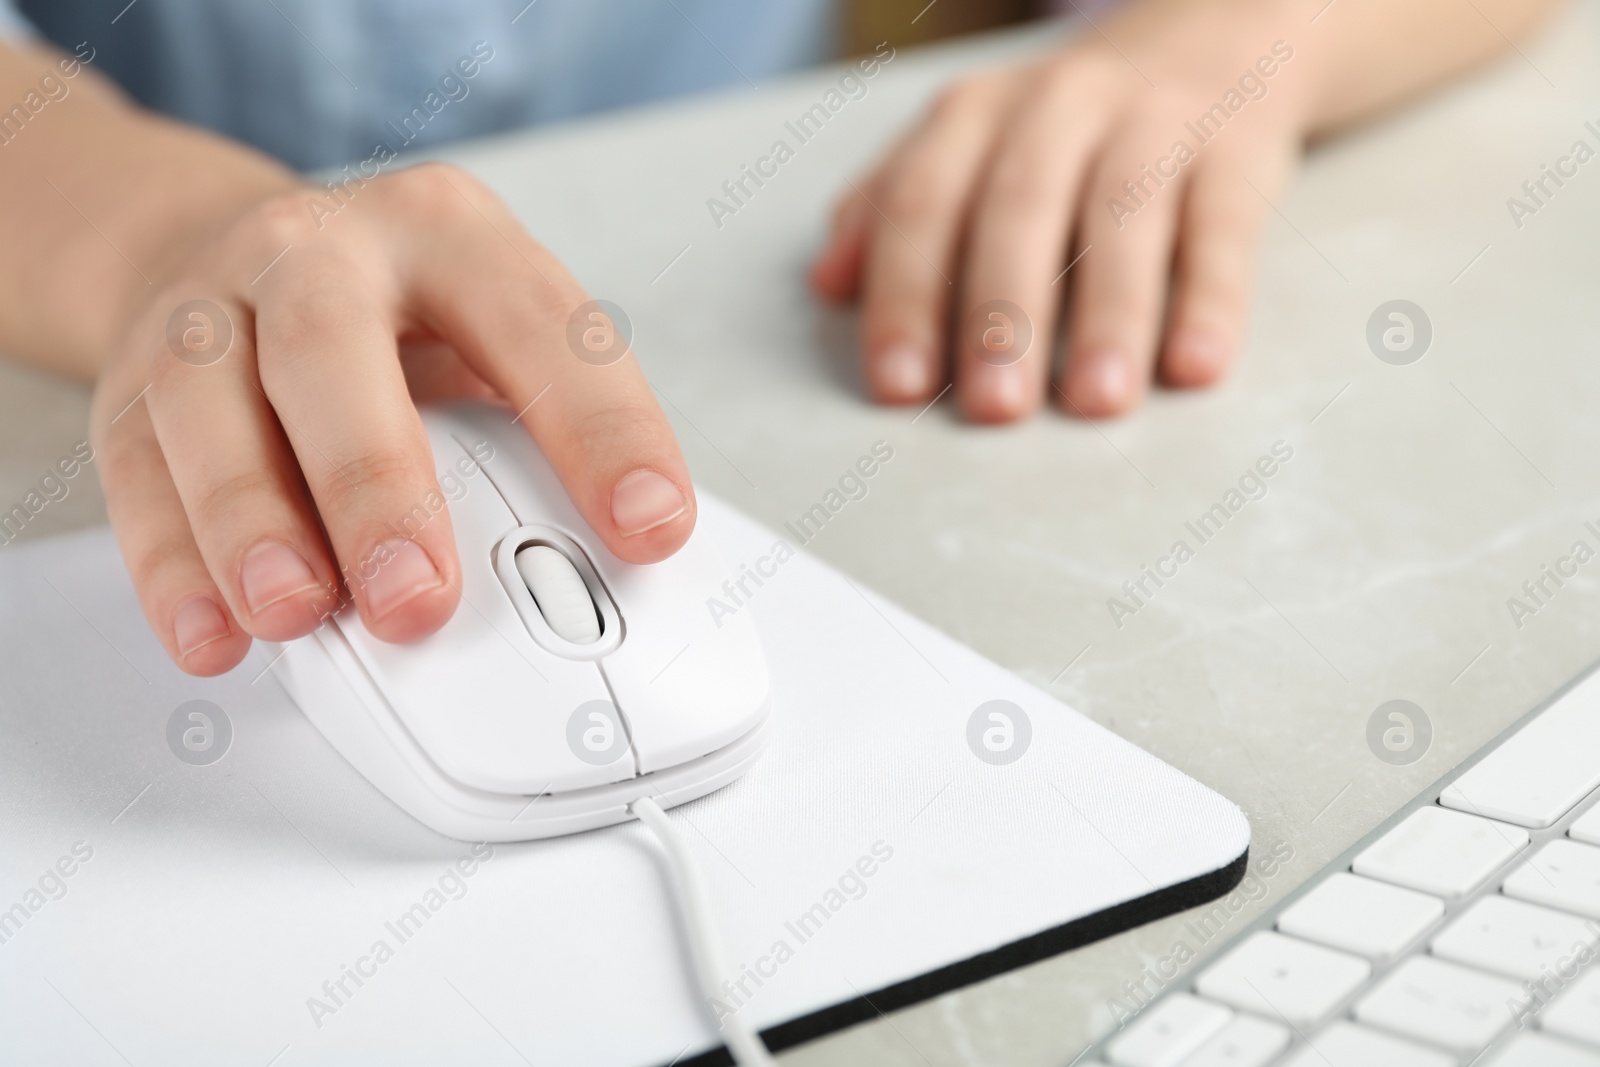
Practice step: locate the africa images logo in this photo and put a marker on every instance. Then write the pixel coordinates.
(199, 732)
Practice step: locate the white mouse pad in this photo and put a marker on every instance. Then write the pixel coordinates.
(239, 895)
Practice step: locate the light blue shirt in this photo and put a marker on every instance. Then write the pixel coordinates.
(322, 82)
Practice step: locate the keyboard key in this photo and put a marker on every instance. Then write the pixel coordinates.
(1537, 1050)
(1442, 1003)
(1164, 1035)
(1514, 938)
(1575, 1012)
(1347, 1045)
(1543, 770)
(1245, 1042)
(1442, 852)
(1562, 874)
(1587, 826)
(1373, 919)
(1279, 976)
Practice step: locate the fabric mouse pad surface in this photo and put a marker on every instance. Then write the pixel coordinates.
(160, 903)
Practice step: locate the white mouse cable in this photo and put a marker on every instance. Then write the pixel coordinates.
(695, 910)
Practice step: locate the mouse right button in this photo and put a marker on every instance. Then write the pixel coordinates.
(688, 677)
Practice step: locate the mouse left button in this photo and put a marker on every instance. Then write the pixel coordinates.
(492, 709)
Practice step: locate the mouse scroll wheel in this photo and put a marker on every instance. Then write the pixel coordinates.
(558, 589)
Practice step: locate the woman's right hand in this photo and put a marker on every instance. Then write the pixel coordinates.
(245, 476)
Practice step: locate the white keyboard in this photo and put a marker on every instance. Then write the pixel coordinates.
(1465, 930)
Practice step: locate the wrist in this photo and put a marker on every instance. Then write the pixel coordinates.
(1260, 48)
(1276, 44)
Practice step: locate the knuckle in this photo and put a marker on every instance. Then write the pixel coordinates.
(151, 349)
(161, 370)
(440, 196)
(295, 330)
(158, 560)
(436, 176)
(1023, 180)
(619, 432)
(438, 192)
(1106, 183)
(1130, 181)
(918, 194)
(276, 222)
(1163, 108)
(1105, 68)
(232, 498)
(124, 456)
(964, 98)
(1070, 78)
(351, 484)
(847, 206)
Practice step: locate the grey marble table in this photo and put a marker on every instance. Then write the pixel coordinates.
(1378, 565)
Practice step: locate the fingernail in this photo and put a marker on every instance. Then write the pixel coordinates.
(903, 371)
(1197, 356)
(272, 571)
(644, 500)
(1104, 382)
(196, 623)
(402, 572)
(1000, 389)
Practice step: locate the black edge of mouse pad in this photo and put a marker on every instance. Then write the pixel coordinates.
(1008, 957)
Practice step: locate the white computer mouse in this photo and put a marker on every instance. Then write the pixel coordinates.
(567, 684)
